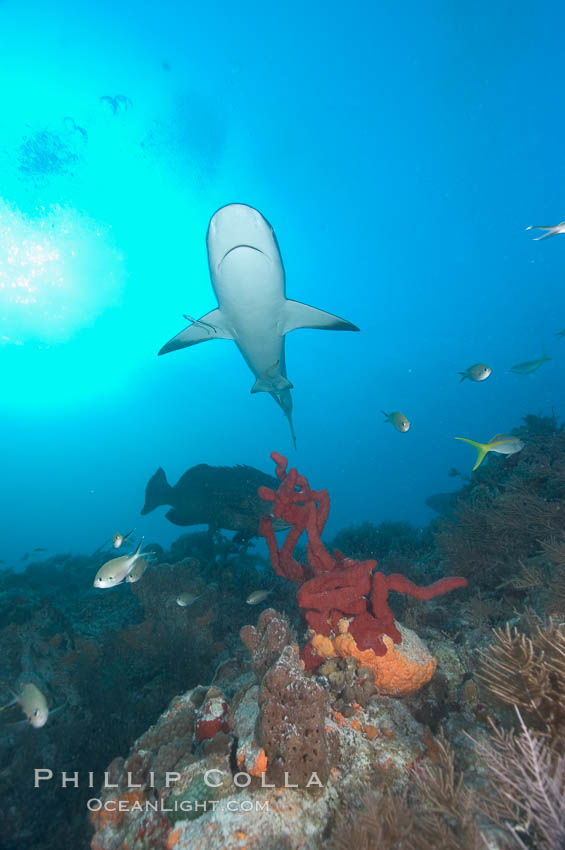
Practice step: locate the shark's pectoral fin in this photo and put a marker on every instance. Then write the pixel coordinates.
(267, 384)
(297, 315)
(208, 327)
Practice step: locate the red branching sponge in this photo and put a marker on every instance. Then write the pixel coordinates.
(335, 586)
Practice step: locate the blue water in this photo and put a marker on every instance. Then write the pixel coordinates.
(399, 151)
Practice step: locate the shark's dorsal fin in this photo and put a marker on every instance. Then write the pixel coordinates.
(207, 327)
(295, 315)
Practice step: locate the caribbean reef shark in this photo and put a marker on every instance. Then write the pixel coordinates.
(248, 280)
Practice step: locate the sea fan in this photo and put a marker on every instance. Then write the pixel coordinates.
(527, 777)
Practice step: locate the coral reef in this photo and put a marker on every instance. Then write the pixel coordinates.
(380, 542)
(511, 513)
(327, 745)
(110, 660)
(230, 792)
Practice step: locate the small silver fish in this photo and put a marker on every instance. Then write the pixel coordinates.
(119, 539)
(257, 596)
(477, 372)
(138, 569)
(186, 599)
(398, 419)
(33, 704)
(114, 571)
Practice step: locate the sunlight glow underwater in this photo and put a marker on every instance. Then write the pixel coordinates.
(57, 274)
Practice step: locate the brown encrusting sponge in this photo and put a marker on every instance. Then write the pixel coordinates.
(293, 709)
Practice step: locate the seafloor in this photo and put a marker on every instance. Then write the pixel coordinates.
(338, 717)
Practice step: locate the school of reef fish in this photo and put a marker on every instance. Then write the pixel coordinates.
(393, 687)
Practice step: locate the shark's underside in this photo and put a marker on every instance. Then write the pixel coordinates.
(248, 279)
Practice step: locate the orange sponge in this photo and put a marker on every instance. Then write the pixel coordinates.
(403, 669)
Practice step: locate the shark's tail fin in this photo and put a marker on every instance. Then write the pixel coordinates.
(284, 401)
(292, 434)
(157, 492)
(482, 450)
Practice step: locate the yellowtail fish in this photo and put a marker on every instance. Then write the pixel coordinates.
(400, 422)
(186, 599)
(478, 372)
(561, 333)
(257, 596)
(552, 229)
(119, 539)
(500, 443)
(529, 366)
(33, 704)
(113, 572)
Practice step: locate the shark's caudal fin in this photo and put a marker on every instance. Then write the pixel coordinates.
(297, 315)
(482, 450)
(292, 434)
(157, 492)
(201, 330)
(284, 401)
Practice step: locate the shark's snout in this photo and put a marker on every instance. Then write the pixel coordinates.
(238, 226)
